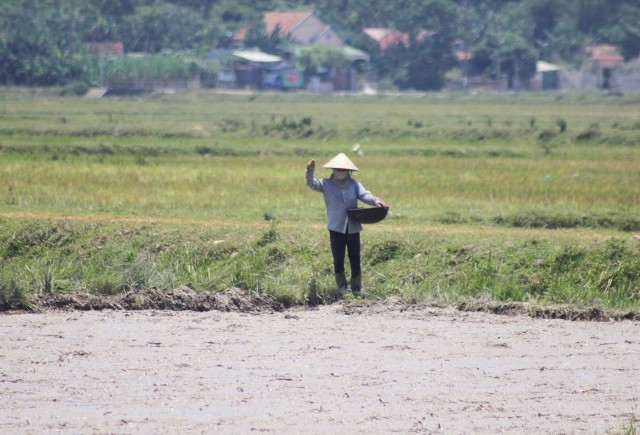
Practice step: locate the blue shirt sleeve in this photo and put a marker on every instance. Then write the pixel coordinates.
(314, 183)
(365, 196)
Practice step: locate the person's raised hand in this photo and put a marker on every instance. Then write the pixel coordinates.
(311, 164)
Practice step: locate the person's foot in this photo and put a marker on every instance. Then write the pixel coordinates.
(356, 285)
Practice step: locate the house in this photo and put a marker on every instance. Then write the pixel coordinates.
(547, 76)
(385, 37)
(389, 37)
(302, 28)
(305, 29)
(348, 77)
(606, 62)
(243, 68)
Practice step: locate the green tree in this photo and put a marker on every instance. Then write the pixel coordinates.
(153, 29)
(104, 16)
(594, 15)
(421, 61)
(518, 59)
(256, 36)
(40, 42)
(313, 57)
(204, 7)
(504, 45)
(625, 32)
(565, 43)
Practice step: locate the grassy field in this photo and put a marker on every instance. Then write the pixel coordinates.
(494, 199)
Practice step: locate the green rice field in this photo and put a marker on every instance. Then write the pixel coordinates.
(530, 199)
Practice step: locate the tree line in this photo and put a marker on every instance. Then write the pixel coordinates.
(45, 42)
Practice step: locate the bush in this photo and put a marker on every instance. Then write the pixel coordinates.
(562, 125)
(75, 89)
(589, 134)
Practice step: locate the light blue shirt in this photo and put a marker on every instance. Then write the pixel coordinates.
(338, 199)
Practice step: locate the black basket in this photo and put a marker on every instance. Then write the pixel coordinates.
(368, 215)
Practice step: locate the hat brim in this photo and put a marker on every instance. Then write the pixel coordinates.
(341, 161)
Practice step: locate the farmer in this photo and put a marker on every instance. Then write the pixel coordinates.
(342, 192)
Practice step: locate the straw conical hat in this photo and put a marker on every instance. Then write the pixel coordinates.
(341, 161)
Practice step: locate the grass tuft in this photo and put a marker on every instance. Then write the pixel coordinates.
(535, 219)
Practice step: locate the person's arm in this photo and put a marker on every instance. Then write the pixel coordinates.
(368, 198)
(313, 183)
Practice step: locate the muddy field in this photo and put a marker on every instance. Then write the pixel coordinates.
(340, 368)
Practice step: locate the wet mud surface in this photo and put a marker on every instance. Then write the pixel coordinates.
(378, 368)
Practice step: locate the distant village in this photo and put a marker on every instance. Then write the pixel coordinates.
(249, 68)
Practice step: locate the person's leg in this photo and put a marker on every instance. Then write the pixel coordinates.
(353, 249)
(338, 247)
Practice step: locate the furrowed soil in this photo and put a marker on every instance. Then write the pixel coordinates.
(243, 365)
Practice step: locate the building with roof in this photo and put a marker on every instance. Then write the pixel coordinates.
(301, 27)
(547, 76)
(304, 29)
(386, 37)
(606, 61)
(243, 68)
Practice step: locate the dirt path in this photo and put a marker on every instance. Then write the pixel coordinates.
(376, 370)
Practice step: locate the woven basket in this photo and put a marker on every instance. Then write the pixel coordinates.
(368, 215)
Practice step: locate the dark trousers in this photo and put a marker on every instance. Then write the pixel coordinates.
(349, 242)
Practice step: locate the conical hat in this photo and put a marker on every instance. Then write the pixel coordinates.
(341, 161)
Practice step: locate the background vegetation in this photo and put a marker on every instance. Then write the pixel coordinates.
(498, 199)
(44, 43)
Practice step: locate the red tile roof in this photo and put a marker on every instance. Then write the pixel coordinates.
(388, 37)
(606, 55)
(287, 21)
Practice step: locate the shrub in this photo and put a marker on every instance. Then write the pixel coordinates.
(547, 135)
(562, 125)
(589, 134)
(75, 89)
